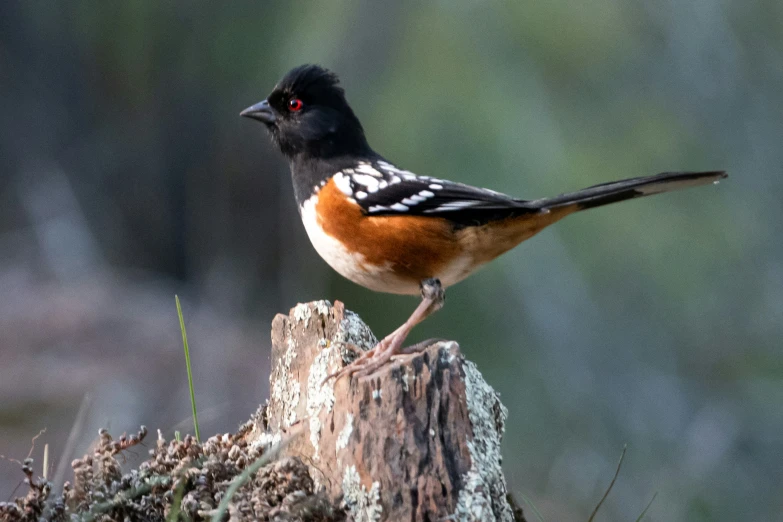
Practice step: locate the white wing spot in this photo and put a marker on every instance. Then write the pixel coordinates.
(457, 204)
(388, 167)
(399, 207)
(367, 169)
(426, 194)
(409, 202)
(343, 183)
(361, 195)
(452, 205)
(435, 186)
(395, 179)
(366, 180)
(391, 169)
(383, 184)
(377, 208)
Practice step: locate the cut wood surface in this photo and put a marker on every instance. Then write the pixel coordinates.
(417, 440)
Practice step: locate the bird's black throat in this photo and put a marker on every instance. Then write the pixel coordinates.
(309, 171)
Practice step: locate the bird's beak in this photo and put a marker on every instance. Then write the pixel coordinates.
(261, 111)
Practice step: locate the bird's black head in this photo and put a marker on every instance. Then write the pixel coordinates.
(307, 115)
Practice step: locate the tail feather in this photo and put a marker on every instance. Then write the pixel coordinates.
(615, 191)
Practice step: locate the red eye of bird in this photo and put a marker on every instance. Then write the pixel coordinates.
(295, 104)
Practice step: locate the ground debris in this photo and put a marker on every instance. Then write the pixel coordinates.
(188, 473)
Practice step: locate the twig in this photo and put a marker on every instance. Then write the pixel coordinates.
(611, 484)
(11, 459)
(32, 442)
(29, 453)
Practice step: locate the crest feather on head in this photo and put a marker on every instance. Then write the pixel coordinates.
(309, 78)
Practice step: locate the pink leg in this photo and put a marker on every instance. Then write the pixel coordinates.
(432, 296)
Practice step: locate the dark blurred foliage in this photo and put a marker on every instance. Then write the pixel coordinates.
(127, 176)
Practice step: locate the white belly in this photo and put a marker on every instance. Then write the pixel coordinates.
(351, 265)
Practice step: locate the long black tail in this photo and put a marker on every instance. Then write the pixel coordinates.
(615, 191)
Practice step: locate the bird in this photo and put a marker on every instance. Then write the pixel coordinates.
(394, 231)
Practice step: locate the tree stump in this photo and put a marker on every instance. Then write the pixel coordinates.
(418, 440)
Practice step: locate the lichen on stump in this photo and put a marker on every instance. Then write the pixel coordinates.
(417, 440)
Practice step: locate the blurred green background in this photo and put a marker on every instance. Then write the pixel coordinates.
(128, 176)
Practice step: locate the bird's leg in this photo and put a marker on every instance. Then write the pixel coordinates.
(432, 298)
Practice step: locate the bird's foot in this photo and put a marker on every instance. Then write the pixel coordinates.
(372, 360)
(357, 364)
(432, 297)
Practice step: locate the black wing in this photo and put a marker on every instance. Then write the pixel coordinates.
(381, 189)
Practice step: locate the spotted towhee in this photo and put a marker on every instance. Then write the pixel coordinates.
(391, 230)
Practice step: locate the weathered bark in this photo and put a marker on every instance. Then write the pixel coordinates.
(418, 440)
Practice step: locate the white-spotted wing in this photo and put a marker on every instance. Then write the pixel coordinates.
(380, 188)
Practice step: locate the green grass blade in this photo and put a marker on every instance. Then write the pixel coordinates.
(176, 502)
(187, 363)
(533, 507)
(648, 507)
(611, 485)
